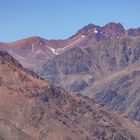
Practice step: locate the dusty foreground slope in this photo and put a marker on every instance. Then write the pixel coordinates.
(31, 109)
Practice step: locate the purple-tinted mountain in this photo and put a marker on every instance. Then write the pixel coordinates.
(107, 72)
(109, 31)
(32, 51)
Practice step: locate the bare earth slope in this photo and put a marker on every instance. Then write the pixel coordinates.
(32, 109)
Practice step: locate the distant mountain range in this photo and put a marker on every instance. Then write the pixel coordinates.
(32, 51)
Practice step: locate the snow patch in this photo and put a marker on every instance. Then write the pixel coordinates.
(60, 49)
(96, 31)
(54, 51)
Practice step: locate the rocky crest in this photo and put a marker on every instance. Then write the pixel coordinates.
(110, 31)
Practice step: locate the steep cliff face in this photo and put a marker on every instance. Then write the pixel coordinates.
(33, 109)
(120, 91)
(80, 69)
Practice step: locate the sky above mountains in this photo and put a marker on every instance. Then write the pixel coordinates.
(59, 19)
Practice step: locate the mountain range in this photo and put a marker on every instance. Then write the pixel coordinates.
(85, 87)
(32, 51)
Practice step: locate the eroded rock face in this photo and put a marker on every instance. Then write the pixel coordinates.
(33, 109)
(96, 62)
(81, 69)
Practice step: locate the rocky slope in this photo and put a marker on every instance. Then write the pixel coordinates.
(120, 90)
(31, 109)
(82, 69)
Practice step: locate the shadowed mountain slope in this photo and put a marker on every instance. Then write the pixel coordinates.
(85, 69)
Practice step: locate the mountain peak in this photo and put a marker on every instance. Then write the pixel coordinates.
(111, 30)
(88, 30)
(32, 39)
(113, 25)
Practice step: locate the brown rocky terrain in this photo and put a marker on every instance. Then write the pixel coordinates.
(32, 109)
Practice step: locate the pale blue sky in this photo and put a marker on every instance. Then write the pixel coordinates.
(59, 19)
